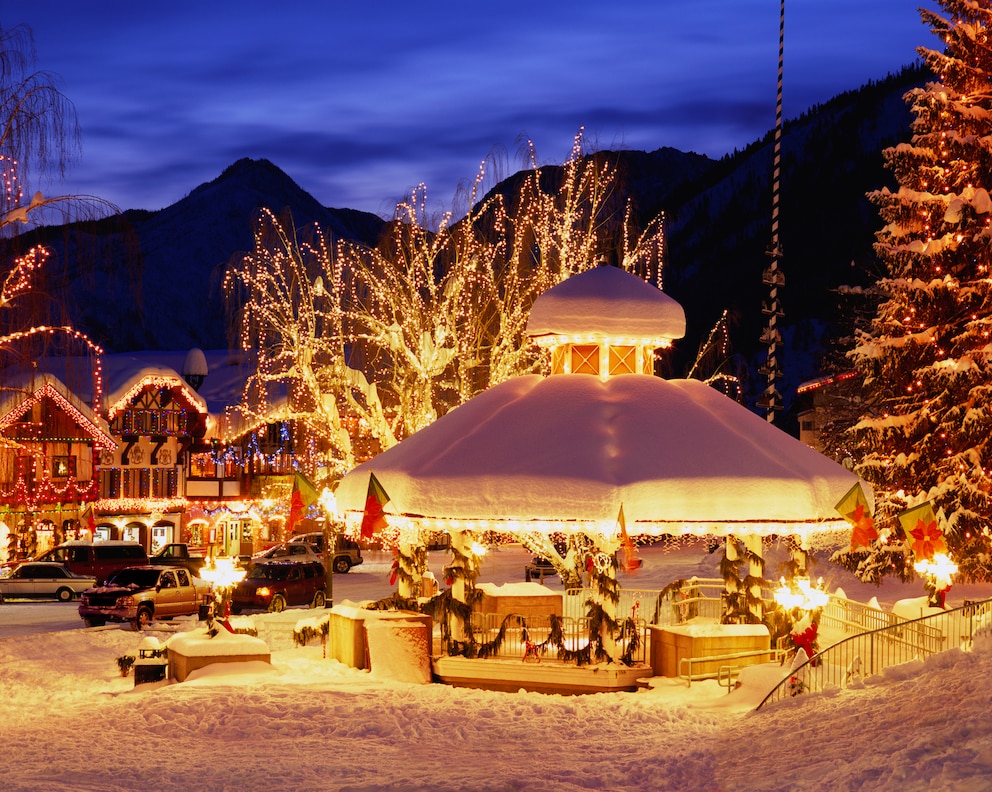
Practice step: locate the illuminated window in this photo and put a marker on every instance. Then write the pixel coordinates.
(202, 466)
(623, 360)
(585, 359)
(64, 467)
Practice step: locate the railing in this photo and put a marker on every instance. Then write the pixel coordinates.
(698, 597)
(870, 652)
(725, 670)
(575, 634)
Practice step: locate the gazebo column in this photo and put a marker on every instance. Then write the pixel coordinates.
(609, 605)
(756, 573)
(730, 581)
(461, 547)
(409, 572)
(800, 556)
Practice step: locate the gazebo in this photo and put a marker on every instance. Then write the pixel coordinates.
(562, 454)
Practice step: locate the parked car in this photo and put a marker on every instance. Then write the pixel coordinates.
(287, 551)
(538, 569)
(277, 584)
(140, 594)
(99, 559)
(179, 554)
(347, 552)
(43, 580)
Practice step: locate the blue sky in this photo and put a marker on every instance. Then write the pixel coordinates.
(361, 101)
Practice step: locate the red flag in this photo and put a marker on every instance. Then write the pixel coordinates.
(88, 520)
(304, 494)
(629, 553)
(373, 519)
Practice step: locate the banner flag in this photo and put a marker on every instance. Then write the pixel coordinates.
(924, 536)
(854, 508)
(374, 519)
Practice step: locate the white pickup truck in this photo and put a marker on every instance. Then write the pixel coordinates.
(140, 594)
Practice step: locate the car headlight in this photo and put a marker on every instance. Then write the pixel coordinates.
(125, 602)
(263, 591)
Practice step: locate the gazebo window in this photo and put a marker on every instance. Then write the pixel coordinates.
(623, 360)
(585, 359)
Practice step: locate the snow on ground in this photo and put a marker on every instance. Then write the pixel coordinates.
(71, 722)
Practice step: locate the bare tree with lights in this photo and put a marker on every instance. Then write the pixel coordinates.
(381, 341)
(926, 357)
(39, 138)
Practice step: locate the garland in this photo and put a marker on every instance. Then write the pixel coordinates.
(408, 568)
(308, 632)
(738, 601)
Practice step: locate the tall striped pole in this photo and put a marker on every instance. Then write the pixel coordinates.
(773, 276)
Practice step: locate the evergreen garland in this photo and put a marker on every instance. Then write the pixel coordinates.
(409, 568)
(303, 635)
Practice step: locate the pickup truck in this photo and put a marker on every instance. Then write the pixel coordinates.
(140, 594)
(179, 554)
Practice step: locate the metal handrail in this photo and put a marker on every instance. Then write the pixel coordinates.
(870, 652)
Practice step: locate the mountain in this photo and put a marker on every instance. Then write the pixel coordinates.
(151, 280)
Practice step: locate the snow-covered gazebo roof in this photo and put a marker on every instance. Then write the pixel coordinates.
(606, 303)
(562, 453)
(565, 451)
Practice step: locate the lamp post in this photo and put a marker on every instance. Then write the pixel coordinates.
(223, 573)
(330, 506)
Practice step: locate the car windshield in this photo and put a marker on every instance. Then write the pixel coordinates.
(266, 572)
(141, 578)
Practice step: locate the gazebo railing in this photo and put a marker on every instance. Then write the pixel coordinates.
(868, 653)
(537, 629)
(698, 597)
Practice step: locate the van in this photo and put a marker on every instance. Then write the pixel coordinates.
(98, 560)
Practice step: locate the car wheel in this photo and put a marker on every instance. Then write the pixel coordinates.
(94, 622)
(342, 564)
(278, 604)
(64, 595)
(235, 609)
(143, 618)
(319, 599)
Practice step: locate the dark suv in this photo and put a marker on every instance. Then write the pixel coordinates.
(275, 585)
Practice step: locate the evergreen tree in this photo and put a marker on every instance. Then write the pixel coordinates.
(925, 356)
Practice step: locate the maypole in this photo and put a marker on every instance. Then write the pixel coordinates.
(773, 277)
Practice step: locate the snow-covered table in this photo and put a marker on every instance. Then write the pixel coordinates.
(522, 599)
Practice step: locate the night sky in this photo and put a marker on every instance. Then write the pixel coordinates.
(361, 101)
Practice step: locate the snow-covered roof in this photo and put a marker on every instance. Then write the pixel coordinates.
(680, 456)
(22, 389)
(151, 376)
(605, 303)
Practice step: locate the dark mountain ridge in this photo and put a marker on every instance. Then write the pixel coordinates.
(151, 280)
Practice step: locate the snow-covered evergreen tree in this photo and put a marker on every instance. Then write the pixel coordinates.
(926, 356)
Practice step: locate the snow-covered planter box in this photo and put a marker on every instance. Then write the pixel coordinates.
(347, 639)
(197, 649)
(522, 599)
(669, 645)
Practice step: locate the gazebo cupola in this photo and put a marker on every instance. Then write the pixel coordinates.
(605, 321)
